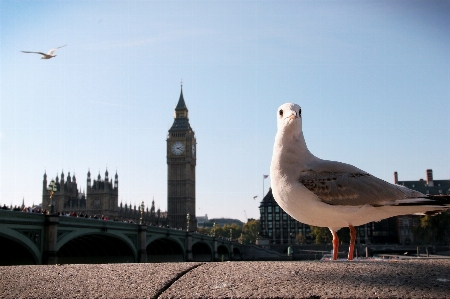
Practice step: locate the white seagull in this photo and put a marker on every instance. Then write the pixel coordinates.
(334, 194)
(48, 55)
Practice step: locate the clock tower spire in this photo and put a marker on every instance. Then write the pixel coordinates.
(181, 162)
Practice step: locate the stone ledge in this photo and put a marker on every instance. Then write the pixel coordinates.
(304, 279)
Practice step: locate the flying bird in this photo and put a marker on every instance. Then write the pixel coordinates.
(333, 194)
(48, 55)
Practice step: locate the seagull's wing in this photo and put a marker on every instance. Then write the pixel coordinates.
(337, 183)
(33, 52)
(54, 49)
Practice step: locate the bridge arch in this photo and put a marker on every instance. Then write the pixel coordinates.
(237, 253)
(94, 247)
(165, 249)
(202, 252)
(223, 252)
(18, 249)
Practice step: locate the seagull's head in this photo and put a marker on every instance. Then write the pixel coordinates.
(289, 117)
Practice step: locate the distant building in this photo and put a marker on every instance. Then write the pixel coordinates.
(226, 221)
(222, 222)
(103, 195)
(428, 186)
(67, 196)
(181, 159)
(100, 199)
(201, 220)
(276, 226)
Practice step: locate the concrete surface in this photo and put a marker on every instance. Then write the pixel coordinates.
(306, 279)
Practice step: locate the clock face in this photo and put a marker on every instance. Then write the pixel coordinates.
(177, 148)
(193, 150)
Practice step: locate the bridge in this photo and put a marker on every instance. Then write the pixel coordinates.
(30, 238)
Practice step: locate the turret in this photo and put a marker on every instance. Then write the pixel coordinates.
(88, 179)
(44, 182)
(152, 209)
(181, 111)
(181, 120)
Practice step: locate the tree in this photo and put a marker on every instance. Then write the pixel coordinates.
(250, 232)
(236, 230)
(223, 231)
(300, 238)
(323, 235)
(433, 229)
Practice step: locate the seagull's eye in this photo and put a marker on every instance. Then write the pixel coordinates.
(299, 111)
(281, 112)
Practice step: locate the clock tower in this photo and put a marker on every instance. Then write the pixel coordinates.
(181, 161)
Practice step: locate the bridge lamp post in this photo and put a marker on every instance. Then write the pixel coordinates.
(142, 212)
(188, 218)
(214, 230)
(231, 234)
(52, 188)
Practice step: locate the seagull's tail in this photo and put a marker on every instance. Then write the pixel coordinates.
(440, 202)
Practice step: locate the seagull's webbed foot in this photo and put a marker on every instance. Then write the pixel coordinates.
(351, 249)
(335, 245)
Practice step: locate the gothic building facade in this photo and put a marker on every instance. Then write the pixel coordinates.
(181, 162)
(67, 197)
(99, 200)
(427, 186)
(103, 195)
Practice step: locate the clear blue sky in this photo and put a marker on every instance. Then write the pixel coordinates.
(372, 78)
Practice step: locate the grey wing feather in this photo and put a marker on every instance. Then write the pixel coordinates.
(54, 49)
(353, 188)
(33, 52)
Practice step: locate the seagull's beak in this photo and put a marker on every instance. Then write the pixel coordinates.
(293, 115)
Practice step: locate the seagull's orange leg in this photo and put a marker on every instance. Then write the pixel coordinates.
(351, 249)
(335, 245)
